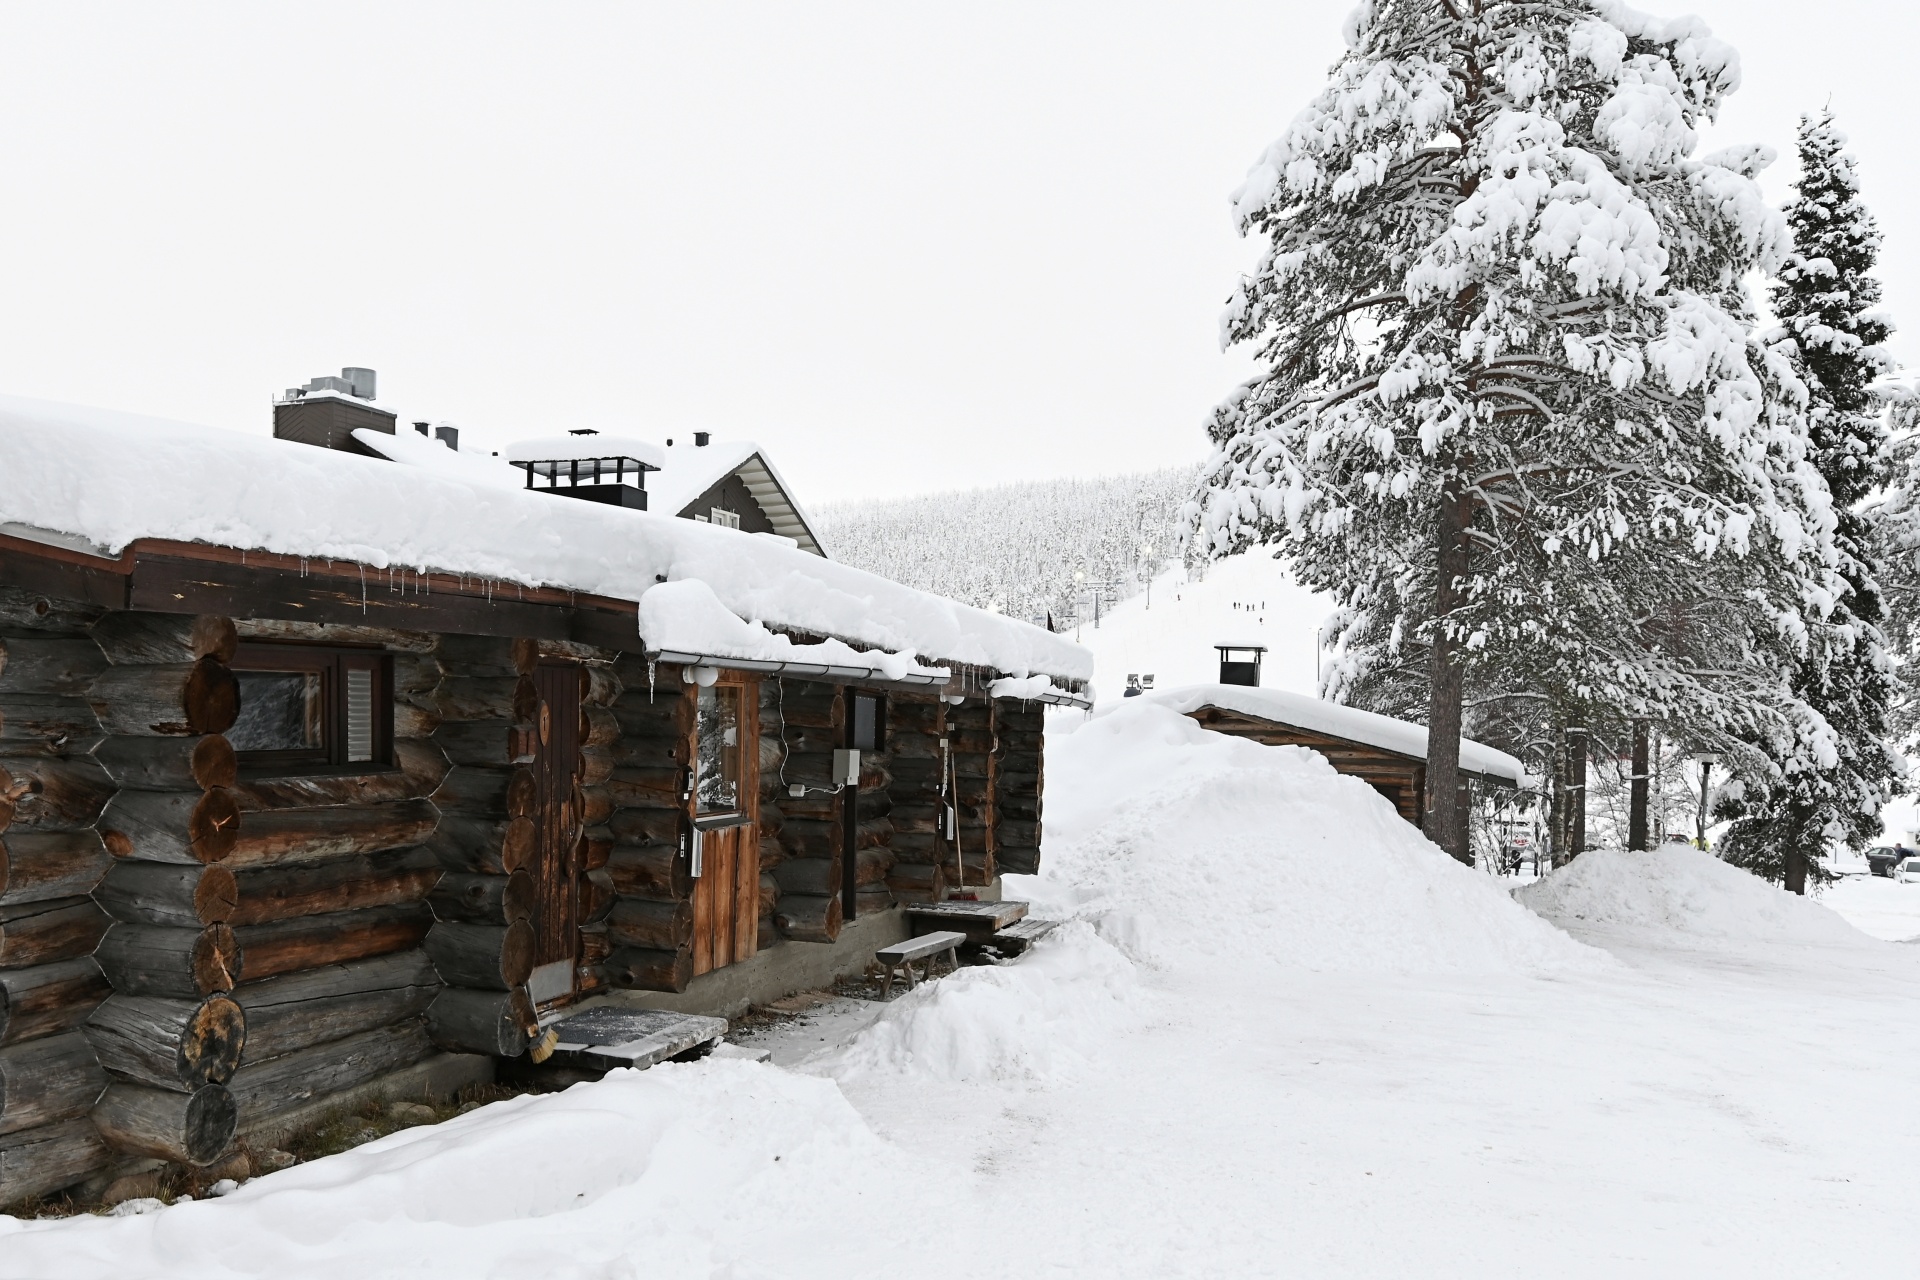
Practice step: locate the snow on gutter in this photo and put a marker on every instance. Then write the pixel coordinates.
(1316, 716)
(1038, 689)
(112, 479)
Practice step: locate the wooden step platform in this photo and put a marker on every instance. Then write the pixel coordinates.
(613, 1037)
(977, 920)
(1017, 937)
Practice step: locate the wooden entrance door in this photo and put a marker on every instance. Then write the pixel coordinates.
(725, 805)
(556, 816)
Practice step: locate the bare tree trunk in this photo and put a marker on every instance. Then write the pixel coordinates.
(1577, 789)
(1445, 820)
(1795, 870)
(1637, 837)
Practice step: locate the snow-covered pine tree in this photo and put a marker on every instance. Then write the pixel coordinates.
(1511, 409)
(1826, 299)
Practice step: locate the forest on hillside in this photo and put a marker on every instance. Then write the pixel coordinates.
(1033, 549)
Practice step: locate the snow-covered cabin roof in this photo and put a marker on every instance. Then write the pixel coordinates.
(690, 470)
(1301, 712)
(102, 480)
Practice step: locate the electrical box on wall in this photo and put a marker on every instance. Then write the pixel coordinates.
(846, 767)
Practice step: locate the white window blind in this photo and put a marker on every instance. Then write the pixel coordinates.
(359, 714)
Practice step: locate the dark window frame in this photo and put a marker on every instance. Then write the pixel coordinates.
(331, 663)
(878, 743)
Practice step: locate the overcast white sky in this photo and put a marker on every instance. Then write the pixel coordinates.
(906, 246)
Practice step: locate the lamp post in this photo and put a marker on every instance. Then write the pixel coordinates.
(1706, 760)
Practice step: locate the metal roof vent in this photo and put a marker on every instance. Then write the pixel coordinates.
(586, 464)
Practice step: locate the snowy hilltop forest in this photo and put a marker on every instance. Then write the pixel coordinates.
(1033, 550)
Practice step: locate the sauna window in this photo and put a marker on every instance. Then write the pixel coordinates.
(307, 709)
(718, 754)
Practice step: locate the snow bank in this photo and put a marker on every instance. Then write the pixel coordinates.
(1320, 716)
(701, 1170)
(111, 478)
(1679, 889)
(1042, 1018)
(1195, 850)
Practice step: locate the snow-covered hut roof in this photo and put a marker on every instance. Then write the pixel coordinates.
(103, 480)
(1316, 716)
(689, 471)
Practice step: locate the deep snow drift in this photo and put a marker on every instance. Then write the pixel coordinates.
(1683, 895)
(1192, 846)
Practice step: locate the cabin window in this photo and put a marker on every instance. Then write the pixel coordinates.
(869, 722)
(731, 519)
(718, 754)
(309, 709)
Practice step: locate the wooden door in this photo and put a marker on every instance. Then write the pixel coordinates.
(556, 816)
(725, 809)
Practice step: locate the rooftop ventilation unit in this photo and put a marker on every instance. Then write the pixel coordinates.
(586, 464)
(328, 410)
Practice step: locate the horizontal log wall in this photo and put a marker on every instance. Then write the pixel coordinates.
(810, 720)
(481, 940)
(922, 865)
(1018, 774)
(51, 860)
(643, 743)
(970, 732)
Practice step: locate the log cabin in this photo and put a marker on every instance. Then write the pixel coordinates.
(319, 773)
(1389, 755)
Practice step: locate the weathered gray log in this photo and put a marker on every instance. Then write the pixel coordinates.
(171, 826)
(169, 1044)
(809, 917)
(504, 792)
(168, 764)
(412, 723)
(654, 787)
(300, 1010)
(46, 1081)
(647, 826)
(465, 655)
(637, 969)
(824, 875)
(483, 899)
(170, 700)
(167, 893)
(406, 643)
(594, 805)
(266, 894)
(1020, 861)
(34, 1162)
(596, 764)
(29, 612)
(490, 957)
(651, 733)
(50, 998)
(46, 724)
(62, 793)
(133, 637)
(196, 1128)
(39, 865)
(33, 933)
(485, 743)
(284, 837)
(918, 881)
(307, 942)
(599, 727)
(418, 769)
(657, 926)
(872, 899)
(498, 846)
(594, 896)
(155, 960)
(277, 1085)
(499, 1023)
(512, 698)
(49, 664)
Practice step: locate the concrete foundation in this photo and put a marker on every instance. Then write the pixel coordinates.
(779, 970)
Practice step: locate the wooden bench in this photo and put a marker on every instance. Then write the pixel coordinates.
(1017, 937)
(927, 947)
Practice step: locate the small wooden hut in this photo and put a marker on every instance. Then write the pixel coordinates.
(277, 827)
(1389, 755)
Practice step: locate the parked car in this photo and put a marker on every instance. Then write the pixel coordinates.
(1883, 859)
(1908, 872)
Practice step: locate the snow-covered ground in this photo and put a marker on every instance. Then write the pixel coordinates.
(1281, 1036)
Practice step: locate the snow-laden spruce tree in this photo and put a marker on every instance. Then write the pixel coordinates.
(1826, 299)
(1512, 408)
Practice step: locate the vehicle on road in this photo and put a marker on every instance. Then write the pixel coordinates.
(1908, 872)
(1882, 859)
